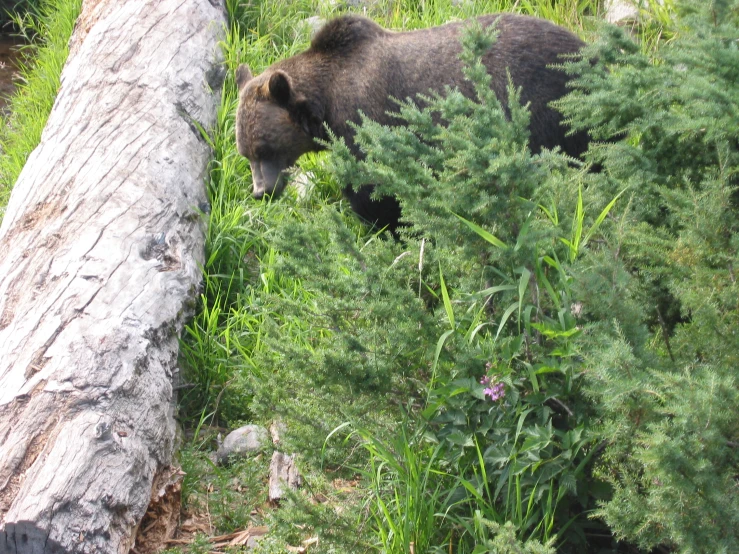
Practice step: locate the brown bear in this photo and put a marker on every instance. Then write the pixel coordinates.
(354, 64)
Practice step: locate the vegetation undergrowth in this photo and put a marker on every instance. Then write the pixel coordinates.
(545, 360)
(46, 26)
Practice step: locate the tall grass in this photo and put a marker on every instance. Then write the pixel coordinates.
(408, 488)
(47, 29)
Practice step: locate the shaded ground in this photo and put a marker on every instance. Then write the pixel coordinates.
(8, 69)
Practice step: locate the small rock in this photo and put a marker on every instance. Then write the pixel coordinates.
(303, 182)
(619, 11)
(282, 471)
(244, 441)
(624, 12)
(314, 23)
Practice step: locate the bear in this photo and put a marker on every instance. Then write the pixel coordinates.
(353, 65)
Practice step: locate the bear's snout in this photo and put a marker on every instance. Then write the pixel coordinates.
(268, 177)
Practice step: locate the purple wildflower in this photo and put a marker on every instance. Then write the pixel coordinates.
(495, 390)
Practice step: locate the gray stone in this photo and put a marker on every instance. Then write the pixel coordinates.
(244, 441)
(314, 23)
(303, 183)
(620, 11)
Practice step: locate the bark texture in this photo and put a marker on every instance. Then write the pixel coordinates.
(283, 474)
(100, 245)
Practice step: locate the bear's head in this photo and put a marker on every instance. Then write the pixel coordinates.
(275, 125)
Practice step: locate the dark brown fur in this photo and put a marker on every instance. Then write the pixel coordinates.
(354, 64)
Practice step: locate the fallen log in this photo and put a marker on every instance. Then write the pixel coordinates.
(101, 244)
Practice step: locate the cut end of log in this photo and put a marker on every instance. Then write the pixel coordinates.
(163, 514)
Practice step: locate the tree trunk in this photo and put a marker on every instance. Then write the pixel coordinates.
(101, 245)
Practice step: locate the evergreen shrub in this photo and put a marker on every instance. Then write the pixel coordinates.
(660, 348)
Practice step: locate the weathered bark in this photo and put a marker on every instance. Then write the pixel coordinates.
(100, 245)
(283, 475)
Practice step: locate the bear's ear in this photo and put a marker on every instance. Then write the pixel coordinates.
(243, 75)
(280, 87)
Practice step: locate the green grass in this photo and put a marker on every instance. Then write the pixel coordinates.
(47, 29)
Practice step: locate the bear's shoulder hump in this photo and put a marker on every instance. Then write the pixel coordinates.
(345, 33)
